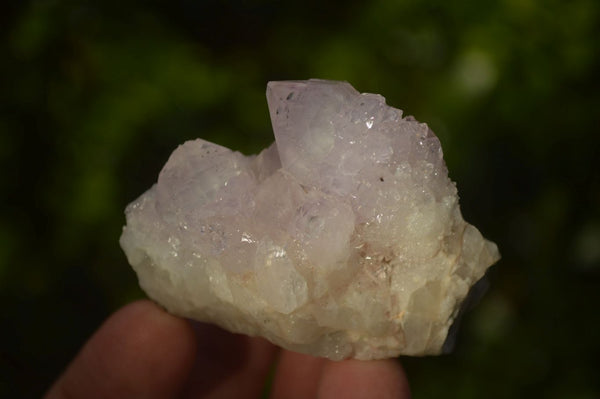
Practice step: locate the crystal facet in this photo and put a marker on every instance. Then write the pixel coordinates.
(343, 239)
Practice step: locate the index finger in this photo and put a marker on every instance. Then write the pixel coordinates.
(140, 351)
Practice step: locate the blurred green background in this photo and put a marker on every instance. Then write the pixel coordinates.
(94, 97)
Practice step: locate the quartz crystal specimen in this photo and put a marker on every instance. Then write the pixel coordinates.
(343, 239)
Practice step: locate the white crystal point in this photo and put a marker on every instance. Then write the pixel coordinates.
(344, 239)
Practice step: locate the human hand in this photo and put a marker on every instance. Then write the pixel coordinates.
(142, 351)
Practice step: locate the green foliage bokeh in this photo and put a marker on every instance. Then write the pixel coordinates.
(94, 97)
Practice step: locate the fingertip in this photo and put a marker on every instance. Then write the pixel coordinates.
(354, 379)
(229, 365)
(139, 351)
(297, 375)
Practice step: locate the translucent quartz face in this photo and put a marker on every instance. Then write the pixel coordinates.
(343, 239)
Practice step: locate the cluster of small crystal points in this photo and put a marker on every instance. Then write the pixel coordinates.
(343, 239)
